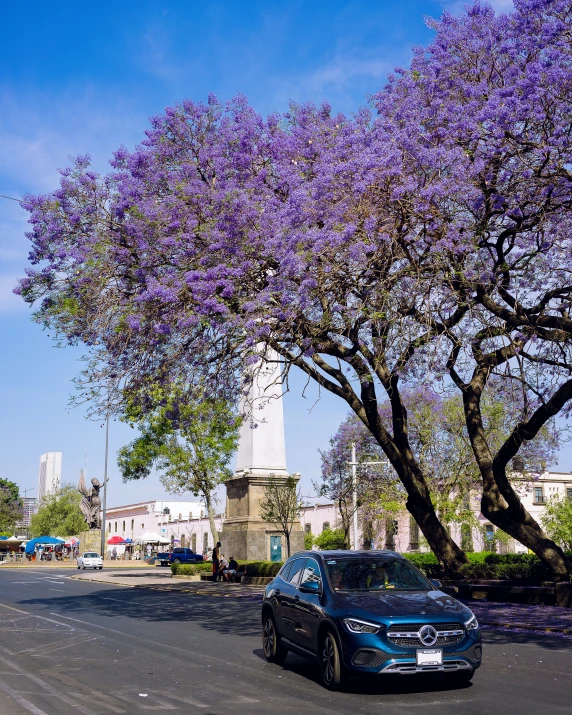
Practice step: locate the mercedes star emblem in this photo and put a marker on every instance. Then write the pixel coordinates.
(428, 635)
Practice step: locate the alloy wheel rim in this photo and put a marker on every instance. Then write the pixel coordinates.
(327, 660)
(268, 637)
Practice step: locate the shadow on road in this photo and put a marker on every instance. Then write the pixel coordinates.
(223, 615)
(372, 684)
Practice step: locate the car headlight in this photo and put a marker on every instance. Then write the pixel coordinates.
(472, 624)
(356, 626)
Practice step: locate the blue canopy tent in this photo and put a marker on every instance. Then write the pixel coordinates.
(44, 540)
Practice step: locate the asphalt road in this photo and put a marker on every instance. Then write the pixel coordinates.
(70, 647)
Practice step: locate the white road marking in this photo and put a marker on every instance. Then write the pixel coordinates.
(24, 702)
(60, 590)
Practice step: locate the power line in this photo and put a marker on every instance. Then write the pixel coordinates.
(11, 198)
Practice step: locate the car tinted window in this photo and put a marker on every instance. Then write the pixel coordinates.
(311, 572)
(285, 570)
(374, 574)
(178, 550)
(295, 571)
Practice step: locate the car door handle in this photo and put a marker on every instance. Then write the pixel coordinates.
(296, 598)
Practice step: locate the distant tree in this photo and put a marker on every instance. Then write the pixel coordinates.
(188, 438)
(11, 511)
(59, 514)
(281, 505)
(331, 539)
(308, 540)
(557, 521)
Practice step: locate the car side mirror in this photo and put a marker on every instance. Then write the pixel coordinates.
(310, 587)
(436, 583)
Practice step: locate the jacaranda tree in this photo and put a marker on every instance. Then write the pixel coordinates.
(425, 240)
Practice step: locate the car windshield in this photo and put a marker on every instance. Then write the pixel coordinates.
(90, 556)
(371, 574)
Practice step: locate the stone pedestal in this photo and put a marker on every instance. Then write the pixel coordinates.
(245, 535)
(90, 541)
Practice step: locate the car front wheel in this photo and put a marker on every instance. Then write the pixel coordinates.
(274, 651)
(330, 662)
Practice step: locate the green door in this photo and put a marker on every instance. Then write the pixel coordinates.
(275, 548)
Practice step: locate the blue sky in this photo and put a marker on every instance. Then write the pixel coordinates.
(83, 78)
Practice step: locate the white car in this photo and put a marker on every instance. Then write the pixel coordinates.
(90, 560)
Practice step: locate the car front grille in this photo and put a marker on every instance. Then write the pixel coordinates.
(406, 635)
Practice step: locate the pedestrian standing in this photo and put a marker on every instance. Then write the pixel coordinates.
(216, 561)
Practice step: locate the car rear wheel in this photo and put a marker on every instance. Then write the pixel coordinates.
(331, 666)
(176, 561)
(274, 651)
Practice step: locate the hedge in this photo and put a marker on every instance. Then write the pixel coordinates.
(191, 569)
(486, 565)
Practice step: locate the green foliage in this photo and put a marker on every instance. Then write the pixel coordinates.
(191, 569)
(188, 438)
(331, 539)
(308, 540)
(557, 521)
(11, 510)
(59, 514)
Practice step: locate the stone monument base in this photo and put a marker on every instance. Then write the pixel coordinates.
(255, 544)
(90, 541)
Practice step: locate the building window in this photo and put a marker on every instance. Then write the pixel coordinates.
(326, 526)
(142, 526)
(466, 537)
(132, 524)
(194, 542)
(115, 527)
(183, 540)
(413, 535)
(108, 526)
(308, 528)
(390, 534)
(538, 495)
(123, 528)
(205, 542)
(568, 493)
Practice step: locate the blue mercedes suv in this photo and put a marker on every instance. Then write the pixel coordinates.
(367, 612)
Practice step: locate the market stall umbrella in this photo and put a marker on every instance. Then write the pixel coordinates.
(44, 540)
(72, 541)
(152, 537)
(116, 540)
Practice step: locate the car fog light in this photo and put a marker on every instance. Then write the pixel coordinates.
(472, 624)
(356, 626)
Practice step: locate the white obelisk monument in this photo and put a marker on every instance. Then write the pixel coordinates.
(261, 456)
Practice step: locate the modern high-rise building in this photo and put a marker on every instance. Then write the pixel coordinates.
(50, 474)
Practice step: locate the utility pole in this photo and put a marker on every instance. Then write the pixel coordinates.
(354, 496)
(354, 464)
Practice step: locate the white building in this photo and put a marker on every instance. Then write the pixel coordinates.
(399, 532)
(50, 474)
(173, 520)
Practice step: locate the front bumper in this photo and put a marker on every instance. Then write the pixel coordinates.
(374, 654)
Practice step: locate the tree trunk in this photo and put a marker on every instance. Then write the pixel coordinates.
(500, 504)
(208, 505)
(287, 535)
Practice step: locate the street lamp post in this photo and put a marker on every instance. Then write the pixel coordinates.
(103, 510)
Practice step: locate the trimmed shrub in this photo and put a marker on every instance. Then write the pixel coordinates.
(261, 568)
(191, 569)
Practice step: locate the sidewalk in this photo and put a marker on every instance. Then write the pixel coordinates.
(511, 617)
(160, 579)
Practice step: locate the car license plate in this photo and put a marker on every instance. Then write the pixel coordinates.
(430, 656)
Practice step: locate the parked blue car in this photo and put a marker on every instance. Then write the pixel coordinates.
(367, 612)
